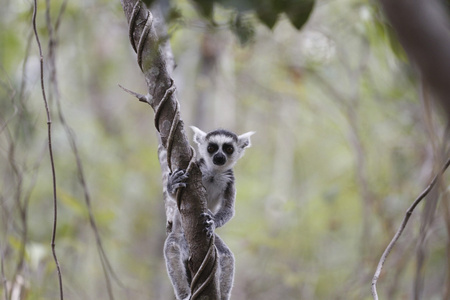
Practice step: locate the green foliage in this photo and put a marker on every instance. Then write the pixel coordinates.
(298, 12)
(268, 11)
(243, 28)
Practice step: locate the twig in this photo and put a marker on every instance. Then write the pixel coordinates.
(50, 148)
(106, 265)
(140, 97)
(402, 227)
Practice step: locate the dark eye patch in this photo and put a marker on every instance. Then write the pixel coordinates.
(228, 148)
(212, 148)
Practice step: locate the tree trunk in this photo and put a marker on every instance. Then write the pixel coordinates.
(161, 97)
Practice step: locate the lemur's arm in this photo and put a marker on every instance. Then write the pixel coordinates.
(226, 209)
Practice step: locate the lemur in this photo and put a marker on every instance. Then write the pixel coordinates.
(218, 152)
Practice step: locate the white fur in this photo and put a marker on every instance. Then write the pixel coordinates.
(244, 139)
(215, 183)
(239, 147)
(221, 139)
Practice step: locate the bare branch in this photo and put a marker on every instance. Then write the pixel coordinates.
(104, 260)
(50, 148)
(402, 227)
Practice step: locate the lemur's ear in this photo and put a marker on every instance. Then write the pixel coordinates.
(244, 140)
(199, 136)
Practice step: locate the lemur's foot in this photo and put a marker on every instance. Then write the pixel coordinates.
(177, 180)
(209, 224)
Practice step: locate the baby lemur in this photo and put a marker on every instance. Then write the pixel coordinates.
(218, 152)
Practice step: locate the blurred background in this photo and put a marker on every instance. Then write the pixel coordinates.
(346, 139)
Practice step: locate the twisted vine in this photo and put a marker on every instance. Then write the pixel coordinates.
(197, 287)
(200, 271)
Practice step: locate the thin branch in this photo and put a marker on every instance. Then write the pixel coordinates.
(140, 97)
(104, 260)
(62, 9)
(50, 148)
(402, 227)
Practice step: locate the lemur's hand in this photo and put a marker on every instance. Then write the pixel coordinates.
(177, 180)
(209, 223)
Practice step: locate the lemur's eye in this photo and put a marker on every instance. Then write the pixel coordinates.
(212, 148)
(228, 149)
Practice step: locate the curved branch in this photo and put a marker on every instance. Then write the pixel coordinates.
(161, 97)
(402, 227)
(50, 149)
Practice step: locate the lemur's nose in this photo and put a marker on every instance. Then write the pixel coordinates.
(219, 159)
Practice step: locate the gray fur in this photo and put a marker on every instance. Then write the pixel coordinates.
(176, 255)
(218, 179)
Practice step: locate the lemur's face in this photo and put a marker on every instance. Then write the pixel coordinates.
(221, 149)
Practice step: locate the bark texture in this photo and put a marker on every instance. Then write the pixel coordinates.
(152, 61)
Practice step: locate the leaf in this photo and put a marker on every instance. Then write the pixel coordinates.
(243, 29)
(298, 11)
(268, 19)
(267, 15)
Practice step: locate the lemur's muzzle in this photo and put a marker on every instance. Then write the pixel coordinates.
(219, 159)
